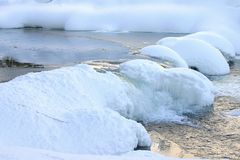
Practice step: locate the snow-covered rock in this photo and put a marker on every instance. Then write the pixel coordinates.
(164, 54)
(199, 54)
(232, 35)
(64, 110)
(74, 109)
(216, 40)
(178, 89)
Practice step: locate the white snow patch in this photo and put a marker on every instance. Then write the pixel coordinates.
(165, 54)
(17, 153)
(199, 54)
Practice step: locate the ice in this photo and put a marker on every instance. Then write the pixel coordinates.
(178, 89)
(165, 54)
(199, 54)
(216, 40)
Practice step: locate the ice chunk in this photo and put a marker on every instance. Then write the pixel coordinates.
(199, 55)
(165, 54)
(178, 89)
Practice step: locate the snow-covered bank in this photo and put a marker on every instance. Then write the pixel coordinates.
(141, 16)
(74, 109)
(153, 18)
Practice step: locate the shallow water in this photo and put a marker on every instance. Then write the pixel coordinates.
(56, 48)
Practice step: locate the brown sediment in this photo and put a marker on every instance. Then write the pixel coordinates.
(216, 136)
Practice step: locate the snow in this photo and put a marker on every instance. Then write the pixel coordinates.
(199, 54)
(178, 89)
(63, 110)
(153, 16)
(216, 40)
(165, 54)
(76, 109)
(14, 153)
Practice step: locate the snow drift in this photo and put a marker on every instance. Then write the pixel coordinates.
(74, 109)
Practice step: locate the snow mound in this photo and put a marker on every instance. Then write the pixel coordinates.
(14, 153)
(200, 55)
(216, 40)
(178, 89)
(64, 110)
(165, 54)
(232, 35)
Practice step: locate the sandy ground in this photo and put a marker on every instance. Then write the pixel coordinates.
(216, 136)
